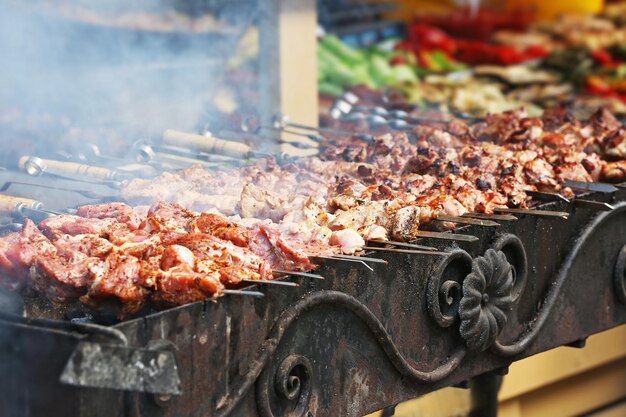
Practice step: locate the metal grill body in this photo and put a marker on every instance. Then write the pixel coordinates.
(358, 341)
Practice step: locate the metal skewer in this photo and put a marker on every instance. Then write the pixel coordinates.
(343, 105)
(247, 125)
(403, 244)
(191, 154)
(314, 137)
(91, 153)
(446, 236)
(9, 203)
(546, 196)
(401, 114)
(498, 217)
(530, 212)
(332, 258)
(598, 205)
(270, 282)
(591, 186)
(400, 119)
(36, 214)
(84, 193)
(467, 220)
(280, 121)
(148, 154)
(295, 143)
(23, 209)
(468, 117)
(70, 170)
(297, 274)
(10, 227)
(409, 251)
(362, 258)
(255, 294)
(378, 120)
(211, 144)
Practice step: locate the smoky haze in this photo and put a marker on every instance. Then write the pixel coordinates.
(138, 67)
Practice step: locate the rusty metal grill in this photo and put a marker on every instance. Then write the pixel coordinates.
(369, 335)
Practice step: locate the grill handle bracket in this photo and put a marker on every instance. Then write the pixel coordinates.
(102, 365)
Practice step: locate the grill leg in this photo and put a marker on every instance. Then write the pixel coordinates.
(389, 411)
(484, 395)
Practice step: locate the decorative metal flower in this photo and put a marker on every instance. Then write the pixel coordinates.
(486, 300)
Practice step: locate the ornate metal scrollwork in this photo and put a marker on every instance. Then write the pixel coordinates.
(292, 388)
(536, 324)
(293, 380)
(486, 300)
(444, 288)
(513, 249)
(489, 284)
(619, 276)
(260, 367)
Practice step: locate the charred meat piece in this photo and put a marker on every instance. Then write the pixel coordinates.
(179, 257)
(19, 252)
(572, 171)
(118, 211)
(182, 287)
(211, 253)
(406, 222)
(614, 172)
(348, 240)
(221, 227)
(67, 224)
(615, 145)
(113, 255)
(12, 276)
(177, 282)
(267, 243)
(603, 120)
(259, 203)
(75, 247)
(167, 217)
(63, 279)
(116, 284)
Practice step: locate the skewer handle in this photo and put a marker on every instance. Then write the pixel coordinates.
(38, 166)
(206, 143)
(10, 205)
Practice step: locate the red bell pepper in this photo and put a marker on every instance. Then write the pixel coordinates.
(479, 53)
(597, 85)
(536, 52)
(398, 60)
(602, 57)
(430, 38)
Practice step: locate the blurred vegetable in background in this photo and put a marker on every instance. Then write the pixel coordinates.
(378, 66)
(600, 72)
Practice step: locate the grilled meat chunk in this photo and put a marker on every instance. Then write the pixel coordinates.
(267, 243)
(114, 255)
(221, 227)
(116, 284)
(349, 240)
(67, 224)
(18, 252)
(119, 211)
(614, 172)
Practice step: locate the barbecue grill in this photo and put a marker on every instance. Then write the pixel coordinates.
(377, 330)
(355, 335)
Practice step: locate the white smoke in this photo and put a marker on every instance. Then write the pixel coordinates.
(84, 60)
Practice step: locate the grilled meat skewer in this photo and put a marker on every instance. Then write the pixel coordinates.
(287, 217)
